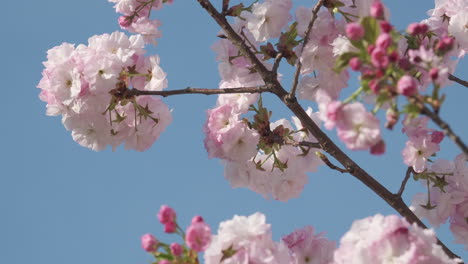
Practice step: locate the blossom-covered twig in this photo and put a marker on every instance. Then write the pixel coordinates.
(326, 143)
(315, 10)
(458, 80)
(206, 91)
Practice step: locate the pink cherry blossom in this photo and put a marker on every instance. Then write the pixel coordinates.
(198, 236)
(149, 243)
(407, 85)
(417, 151)
(358, 129)
(309, 247)
(176, 249)
(354, 31)
(390, 239)
(268, 18)
(166, 215)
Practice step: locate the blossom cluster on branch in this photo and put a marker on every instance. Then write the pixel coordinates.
(103, 93)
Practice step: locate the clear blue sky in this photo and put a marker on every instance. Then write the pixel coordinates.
(60, 202)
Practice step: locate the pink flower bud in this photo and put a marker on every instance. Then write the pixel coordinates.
(164, 261)
(379, 58)
(198, 236)
(393, 57)
(197, 219)
(384, 41)
(354, 31)
(124, 21)
(413, 29)
(437, 137)
(170, 227)
(391, 117)
(166, 215)
(407, 85)
(176, 249)
(355, 63)
(434, 73)
(377, 10)
(374, 86)
(385, 26)
(378, 148)
(149, 243)
(445, 44)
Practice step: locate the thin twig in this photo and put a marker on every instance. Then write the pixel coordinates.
(329, 164)
(278, 58)
(206, 91)
(445, 127)
(405, 180)
(458, 80)
(325, 142)
(292, 93)
(225, 6)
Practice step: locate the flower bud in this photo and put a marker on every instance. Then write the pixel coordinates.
(170, 227)
(166, 215)
(355, 63)
(198, 236)
(176, 249)
(377, 10)
(124, 21)
(378, 148)
(407, 85)
(354, 31)
(149, 243)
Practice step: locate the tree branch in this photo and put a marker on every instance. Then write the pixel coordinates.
(326, 143)
(315, 10)
(191, 90)
(458, 80)
(445, 127)
(405, 180)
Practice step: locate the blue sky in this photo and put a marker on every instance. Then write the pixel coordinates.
(60, 202)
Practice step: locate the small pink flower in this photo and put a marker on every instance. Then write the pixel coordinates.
(176, 249)
(417, 29)
(379, 58)
(355, 63)
(378, 149)
(385, 26)
(407, 85)
(170, 227)
(198, 236)
(124, 21)
(149, 242)
(377, 10)
(434, 73)
(354, 31)
(166, 215)
(437, 137)
(383, 41)
(445, 44)
(197, 219)
(374, 86)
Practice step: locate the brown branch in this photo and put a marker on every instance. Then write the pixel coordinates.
(292, 93)
(191, 90)
(225, 6)
(458, 80)
(325, 142)
(405, 180)
(278, 58)
(329, 164)
(445, 127)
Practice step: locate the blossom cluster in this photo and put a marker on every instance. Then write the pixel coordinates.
(88, 86)
(376, 239)
(447, 197)
(136, 17)
(197, 237)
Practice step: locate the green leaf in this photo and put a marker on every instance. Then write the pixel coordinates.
(371, 28)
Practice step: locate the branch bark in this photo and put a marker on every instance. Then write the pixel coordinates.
(458, 80)
(191, 90)
(326, 143)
